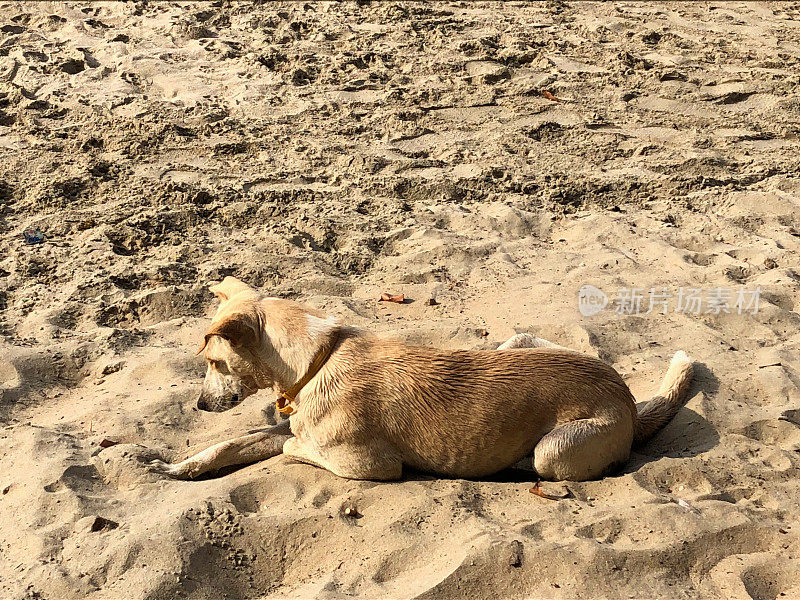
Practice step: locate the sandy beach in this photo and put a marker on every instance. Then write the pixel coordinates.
(487, 160)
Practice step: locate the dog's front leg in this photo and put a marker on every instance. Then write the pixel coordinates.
(238, 451)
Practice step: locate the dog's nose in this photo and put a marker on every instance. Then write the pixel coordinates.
(235, 399)
(202, 404)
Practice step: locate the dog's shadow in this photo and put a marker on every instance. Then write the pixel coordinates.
(511, 475)
(687, 434)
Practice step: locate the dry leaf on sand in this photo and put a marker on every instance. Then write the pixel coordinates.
(537, 489)
(550, 96)
(396, 298)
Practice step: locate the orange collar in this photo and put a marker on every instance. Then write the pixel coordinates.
(285, 400)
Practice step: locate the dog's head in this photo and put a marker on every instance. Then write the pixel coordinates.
(256, 342)
(231, 347)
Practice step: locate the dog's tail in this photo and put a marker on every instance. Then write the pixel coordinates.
(671, 396)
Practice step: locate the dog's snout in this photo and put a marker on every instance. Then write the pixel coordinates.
(202, 404)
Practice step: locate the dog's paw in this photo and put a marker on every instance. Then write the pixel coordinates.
(125, 465)
(165, 468)
(181, 470)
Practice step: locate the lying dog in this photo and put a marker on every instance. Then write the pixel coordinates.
(362, 407)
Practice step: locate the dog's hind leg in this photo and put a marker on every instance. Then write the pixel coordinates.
(582, 449)
(347, 460)
(526, 340)
(238, 451)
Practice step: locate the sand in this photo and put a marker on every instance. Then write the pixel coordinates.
(332, 152)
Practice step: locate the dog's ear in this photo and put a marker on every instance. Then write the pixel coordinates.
(240, 329)
(229, 287)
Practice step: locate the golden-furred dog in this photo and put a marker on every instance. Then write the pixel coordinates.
(362, 406)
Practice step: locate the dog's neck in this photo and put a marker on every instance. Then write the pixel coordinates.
(290, 351)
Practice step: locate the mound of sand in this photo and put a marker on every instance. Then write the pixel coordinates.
(332, 152)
